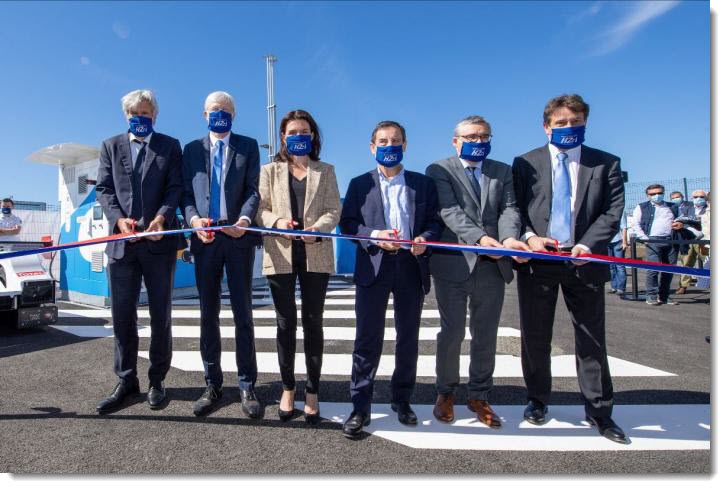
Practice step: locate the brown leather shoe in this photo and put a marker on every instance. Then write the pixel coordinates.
(484, 412)
(443, 410)
(681, 290)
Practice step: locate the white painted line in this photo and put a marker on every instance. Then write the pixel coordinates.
(227, 314)
(507, 366)
(650, 428)
(341, 293)
(261, 332)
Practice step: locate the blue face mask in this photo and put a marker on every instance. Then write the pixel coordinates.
(140, 126)
(220, 121)
(567, 137)
(677, 201)
(699, 201)
(299, 145)
(7, 210)
(475, 151)
(659, 198)
(389, 156)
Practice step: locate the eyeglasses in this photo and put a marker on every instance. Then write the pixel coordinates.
(476, 137)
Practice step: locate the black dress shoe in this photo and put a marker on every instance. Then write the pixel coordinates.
(406, 415)
(353, 426)
(156, 396)
(120, 393)
(205, 404)
(607, 428)
(251, 406)
(535, 412)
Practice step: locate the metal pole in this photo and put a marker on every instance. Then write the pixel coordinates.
(635, 284)
(271, 108)
(684, 185)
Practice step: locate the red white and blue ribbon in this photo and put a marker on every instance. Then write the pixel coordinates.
(492, 251)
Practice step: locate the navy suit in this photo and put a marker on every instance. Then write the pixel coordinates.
(235, 255)
(154, 261)
(378, 273)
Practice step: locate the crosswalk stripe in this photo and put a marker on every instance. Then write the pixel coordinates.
(507, 366)
(649, 427)
(261, 332)
(227, 314)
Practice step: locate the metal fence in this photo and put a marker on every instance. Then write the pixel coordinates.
(634, 193)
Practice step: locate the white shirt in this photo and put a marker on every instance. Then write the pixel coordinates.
(136, 147)
(661, 225)
(478, 171)
(9, 222)
(395, 205)
(574, 155)
(212, 151)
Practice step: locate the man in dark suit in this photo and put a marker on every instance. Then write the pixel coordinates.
(478, 206)
(139, 187)
(570, 196)
(388, 202)
(221, 180)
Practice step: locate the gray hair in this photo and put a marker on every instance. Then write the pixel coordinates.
(220, 97)
(470, 120)
(132, 99)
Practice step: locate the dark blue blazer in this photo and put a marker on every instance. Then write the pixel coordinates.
(162, 187)
(363, 212)
(241, 186)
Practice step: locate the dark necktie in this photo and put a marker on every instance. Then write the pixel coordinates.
(216, 183)
(471, 170)
(136, 187)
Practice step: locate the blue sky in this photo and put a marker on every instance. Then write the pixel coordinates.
(644, 67)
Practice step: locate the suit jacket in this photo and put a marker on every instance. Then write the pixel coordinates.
(240, 185)
(161, 182)
(599, 202)
(467, 219)
(322, 210)
(363, 212)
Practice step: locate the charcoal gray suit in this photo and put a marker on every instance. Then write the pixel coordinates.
(466, 280)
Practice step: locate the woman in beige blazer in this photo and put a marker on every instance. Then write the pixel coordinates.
(298, 191)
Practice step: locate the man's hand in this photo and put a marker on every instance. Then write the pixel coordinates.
(677, 225)
(576, 250)
(486, 241)
(538, 244)
(285, 224)
(418, 249)
(310, 239)
(156, 225)
(388, 234)
(204, 236)
(517, 245)
(126, 226)
(235, 231)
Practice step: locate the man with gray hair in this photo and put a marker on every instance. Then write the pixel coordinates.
(478, 207)
(139, 187)
(221, 181)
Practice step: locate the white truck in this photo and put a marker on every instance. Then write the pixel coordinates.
(27, 291)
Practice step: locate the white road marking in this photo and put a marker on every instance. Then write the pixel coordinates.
(261, 332)
(507, 366)
(650, 427)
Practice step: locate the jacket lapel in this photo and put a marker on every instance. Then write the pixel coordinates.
(378, 197)
(282, 188)
(486, 173)
(456, 168)
(230, 159)
(151, 150)
(125, 148)
(410, 198)
(543, 167)
(314, 173)
(586, 171)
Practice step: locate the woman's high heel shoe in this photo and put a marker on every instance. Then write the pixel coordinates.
(285, 415)
(313, 418)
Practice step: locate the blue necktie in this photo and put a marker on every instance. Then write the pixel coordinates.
(474, 181)
(216, 180)
(561, 201)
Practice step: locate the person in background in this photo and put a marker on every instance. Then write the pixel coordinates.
(656, 219)
(617, 247)
(10, 224)
(700, 207)
(685, 208)
(298, 191)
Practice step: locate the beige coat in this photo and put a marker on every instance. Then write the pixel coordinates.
(322, 210)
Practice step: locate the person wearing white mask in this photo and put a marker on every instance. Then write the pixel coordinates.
(699, 201)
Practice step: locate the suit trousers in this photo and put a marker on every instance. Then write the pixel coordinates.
(482, 295)
(124, 276)
(223, 254)
(658, 284)
(313, 288)
(538, 293)
(399, 274)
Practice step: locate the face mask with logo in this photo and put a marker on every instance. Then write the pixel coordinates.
(299, 145)
(475, 151)
(220, 121)
(699, 201)
(658, 198)
(140, 126)
(389, 156)
(567, 137)
(7, 210)
(677, 201)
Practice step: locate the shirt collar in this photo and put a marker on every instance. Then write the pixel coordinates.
(225, 140)
(133, 138)
(574, 154)
(468, 164)
(394, 179)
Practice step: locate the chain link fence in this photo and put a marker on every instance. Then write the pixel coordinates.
(634, 193)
